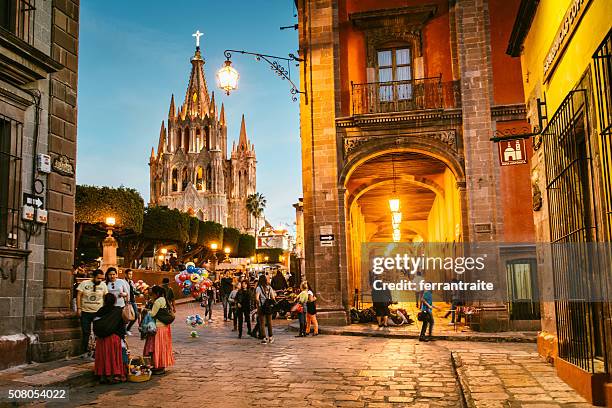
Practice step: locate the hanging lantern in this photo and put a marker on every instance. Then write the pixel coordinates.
(227, 77)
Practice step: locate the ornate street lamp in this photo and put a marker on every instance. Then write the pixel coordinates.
(227, 76)
(109, 245)
(227, 251)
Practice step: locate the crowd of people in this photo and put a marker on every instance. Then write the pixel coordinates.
(108, 304)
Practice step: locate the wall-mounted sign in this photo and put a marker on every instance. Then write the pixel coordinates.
(63, 165)
(326, 240)
(570, 21)
(512, 152)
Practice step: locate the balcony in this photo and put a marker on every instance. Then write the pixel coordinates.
(405, 96)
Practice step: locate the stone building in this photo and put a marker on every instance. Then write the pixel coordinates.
(565, 49)
(38, 116)
(191, 171)
(402, 99)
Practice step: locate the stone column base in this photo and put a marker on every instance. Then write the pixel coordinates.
(59, 336)
(332, 317)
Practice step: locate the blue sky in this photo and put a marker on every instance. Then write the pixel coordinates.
(135, 54)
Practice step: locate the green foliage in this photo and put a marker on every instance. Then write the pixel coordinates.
(209, 232)
(255, 204)
(231, 239)
(246, 246)
(194, 228)
(162, 224)
(273, 255)
(93, 204)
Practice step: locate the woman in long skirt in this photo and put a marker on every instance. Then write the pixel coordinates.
(109, 329)
(159, 346)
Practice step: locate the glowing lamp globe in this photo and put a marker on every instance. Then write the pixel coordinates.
(214, 246)
(110, 221)
(226, 250)
(227, 77)
(394, 204)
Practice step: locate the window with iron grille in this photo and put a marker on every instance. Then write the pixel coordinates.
(602, 61)
(582, 325)
(11, 133)
(17, 16)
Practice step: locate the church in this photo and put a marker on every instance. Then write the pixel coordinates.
(191, 170)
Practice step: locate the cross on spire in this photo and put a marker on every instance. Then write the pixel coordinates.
(197, 36)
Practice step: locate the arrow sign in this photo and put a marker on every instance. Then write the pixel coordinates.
(33, 200)
(326, 237)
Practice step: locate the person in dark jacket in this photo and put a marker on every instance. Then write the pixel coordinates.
(279, 282)
(109, 329)
(243, 307)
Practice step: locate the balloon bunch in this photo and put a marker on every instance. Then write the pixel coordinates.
(194, 321)
(193, 281)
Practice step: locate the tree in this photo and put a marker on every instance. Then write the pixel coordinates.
(246, 246)
(255, 204)
(94, 204)
(231, 239)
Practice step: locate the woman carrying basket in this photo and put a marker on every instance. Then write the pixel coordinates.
(159, 345)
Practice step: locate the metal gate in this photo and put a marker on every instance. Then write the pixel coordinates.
(578, 271)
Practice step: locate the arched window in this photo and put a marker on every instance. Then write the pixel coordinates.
(199, 179)
(207, 133)
(187, 136)
(179, 139)
(208, 178)
(184, 179)
(174, 179)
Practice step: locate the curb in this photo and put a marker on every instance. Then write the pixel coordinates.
(463, 387)
(476, 338)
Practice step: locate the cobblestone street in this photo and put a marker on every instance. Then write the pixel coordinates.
(218, 369)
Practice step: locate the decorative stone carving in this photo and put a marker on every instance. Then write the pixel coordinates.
(448, 137)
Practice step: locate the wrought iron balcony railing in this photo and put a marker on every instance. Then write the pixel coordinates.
(402, 96)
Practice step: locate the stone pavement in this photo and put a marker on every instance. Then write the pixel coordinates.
(499, 379)
(219, 370)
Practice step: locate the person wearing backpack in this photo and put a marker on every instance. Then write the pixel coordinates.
(264, 298)
(243, 307)
(159, 346)
(109, 328)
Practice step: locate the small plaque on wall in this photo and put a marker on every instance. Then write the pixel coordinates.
(483, 228)
(63, 165)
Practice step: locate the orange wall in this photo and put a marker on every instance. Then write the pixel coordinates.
(507, 81)
(516, 194)
(436, 43)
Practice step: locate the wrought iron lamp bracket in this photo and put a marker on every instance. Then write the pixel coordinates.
(277, 65)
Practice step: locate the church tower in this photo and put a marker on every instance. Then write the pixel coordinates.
(190, 170)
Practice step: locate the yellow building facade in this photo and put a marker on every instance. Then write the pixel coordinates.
(565, 48)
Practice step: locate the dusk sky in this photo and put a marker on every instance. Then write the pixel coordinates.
(134, 55)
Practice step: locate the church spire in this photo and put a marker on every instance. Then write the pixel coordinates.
(172, 112)
(243, 143)
(162, 138)
(222, 115)
(197, 101)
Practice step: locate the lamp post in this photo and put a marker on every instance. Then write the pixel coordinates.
(227, 251)
(109, 246)
(227, 76)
